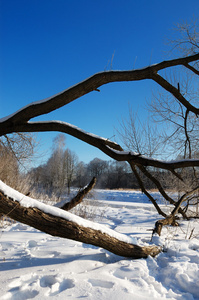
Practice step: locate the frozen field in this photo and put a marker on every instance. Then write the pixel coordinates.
(34, 265)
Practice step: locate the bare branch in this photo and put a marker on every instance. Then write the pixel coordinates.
(79, 197)
(182, 199)
(91, 84)
(141, 184)
(161, 190)
(110, 148)
(174, 91)
(192, 69)
(187, 135)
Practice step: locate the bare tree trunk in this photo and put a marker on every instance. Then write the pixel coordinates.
(58, 226)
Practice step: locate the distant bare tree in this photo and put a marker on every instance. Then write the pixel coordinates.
(15, 150)
(96, 167)
(188, 41)
(9, 169)
(81, 174)
(141, 136)
(60, 169)
(70, 162)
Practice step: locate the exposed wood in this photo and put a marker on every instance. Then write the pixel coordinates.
(60, 227)
(80, 196)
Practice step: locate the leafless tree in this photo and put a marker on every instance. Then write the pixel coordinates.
(140, 136)
(96, 167)
(21, 122)
(9, 169)
(60, 169)
(15, 150)
(188, 38)
(70, 161)
(179, 140)
(21, 145)
(181, 136)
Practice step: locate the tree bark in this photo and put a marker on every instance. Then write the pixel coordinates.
(57, 226)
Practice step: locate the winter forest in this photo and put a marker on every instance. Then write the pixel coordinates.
(111, 228)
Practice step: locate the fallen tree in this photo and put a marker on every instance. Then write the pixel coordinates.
(58, 222)
(60, 226)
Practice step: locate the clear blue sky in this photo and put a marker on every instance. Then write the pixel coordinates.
(48, 45)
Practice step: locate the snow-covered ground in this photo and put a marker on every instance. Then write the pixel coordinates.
(34, 265)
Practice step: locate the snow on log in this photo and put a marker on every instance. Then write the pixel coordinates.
(58, 222)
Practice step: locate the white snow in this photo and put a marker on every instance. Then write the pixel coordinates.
(34, 265)
(26, 201)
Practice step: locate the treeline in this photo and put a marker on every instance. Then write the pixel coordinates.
(63, 170)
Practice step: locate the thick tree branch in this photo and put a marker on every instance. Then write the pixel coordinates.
(182, 199)
(61, 227)
(91, 84)
(171, 219)
(110, 148)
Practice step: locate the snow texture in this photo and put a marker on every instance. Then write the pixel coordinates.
(34, 265)
(26, 201)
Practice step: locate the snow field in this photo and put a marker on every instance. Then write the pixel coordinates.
(34, 265)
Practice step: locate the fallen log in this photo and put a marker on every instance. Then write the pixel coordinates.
(57, 222)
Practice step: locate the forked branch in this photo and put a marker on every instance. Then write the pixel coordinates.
(92, 84)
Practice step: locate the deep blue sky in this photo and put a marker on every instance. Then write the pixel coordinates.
(48, 45)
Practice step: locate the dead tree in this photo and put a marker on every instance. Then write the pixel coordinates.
(20, 121)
